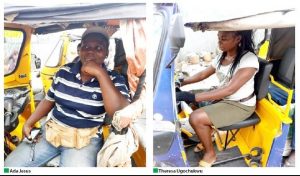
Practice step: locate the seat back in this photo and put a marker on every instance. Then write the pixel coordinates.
(286, 72)
(261, 79)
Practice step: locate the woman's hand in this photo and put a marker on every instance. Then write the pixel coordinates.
(125, 116)
(185, 96)
(26, 131)
(122, 119)
(179, 82)
(91, 68)
(125, 121)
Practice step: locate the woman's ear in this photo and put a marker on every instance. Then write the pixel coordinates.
(238, 40)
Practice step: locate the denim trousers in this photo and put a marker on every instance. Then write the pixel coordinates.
(28, 155)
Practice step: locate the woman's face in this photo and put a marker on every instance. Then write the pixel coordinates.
(93, 49)
(228, 40)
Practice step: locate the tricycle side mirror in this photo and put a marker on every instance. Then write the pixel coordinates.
(37, 62)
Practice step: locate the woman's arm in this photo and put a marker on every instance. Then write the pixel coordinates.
(41, 111)
(199, 76)
(131, 112)
(112, 98)
(238, 80)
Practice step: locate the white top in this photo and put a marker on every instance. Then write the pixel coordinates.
(249, 60)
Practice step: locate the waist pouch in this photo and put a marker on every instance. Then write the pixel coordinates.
(59, 135)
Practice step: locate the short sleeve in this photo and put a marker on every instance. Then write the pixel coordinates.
(216, 60)
(249, 60)
(120, 83)
(50, 94)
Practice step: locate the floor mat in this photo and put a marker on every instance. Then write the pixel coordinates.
(194, 158)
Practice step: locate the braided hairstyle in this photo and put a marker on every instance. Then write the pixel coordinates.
(246, 45)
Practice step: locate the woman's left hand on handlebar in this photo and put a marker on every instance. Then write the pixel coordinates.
(185, 96)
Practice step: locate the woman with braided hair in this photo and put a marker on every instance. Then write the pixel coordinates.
(234, 98)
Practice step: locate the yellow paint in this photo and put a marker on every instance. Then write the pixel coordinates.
(32, 102)
(263, 50)
(139, 157)
(16, 81)
(181, 115)
(264, 133)
(183, 154)
(10, 145)
(186, 132)
(105, 129)
(261, 135)
(47, 73)
(22, 74)
(286, 119)
(220, 142)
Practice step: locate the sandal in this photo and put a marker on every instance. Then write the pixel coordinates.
(199, 147)
(203, 163)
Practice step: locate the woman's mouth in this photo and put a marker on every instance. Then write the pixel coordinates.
(89, 59)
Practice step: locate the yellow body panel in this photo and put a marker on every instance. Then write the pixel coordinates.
(140, 157)
(47, 73)
(286, 119)
(263, 50)
(22, 74)
(261, 135)
(21, 77)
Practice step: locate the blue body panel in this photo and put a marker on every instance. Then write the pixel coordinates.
(275, 157)
(165, 105)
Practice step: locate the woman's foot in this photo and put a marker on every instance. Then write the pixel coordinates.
(208, 159)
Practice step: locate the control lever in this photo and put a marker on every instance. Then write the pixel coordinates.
(254, 156)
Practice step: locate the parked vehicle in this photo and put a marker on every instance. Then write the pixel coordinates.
(266, 137)
(62, 53)
(20, 23)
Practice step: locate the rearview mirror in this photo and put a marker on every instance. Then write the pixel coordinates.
(37, 63)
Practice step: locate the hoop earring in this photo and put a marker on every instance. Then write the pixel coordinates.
(240, 44)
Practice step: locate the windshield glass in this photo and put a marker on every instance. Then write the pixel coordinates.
(13, 40)
(72, 51)
(54, 58)
(158, 20)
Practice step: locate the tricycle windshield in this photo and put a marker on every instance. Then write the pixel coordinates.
(53, 59)
(13, 40)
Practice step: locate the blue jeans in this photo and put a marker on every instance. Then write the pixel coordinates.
(44, 151)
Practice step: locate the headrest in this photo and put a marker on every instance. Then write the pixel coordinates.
(262, 79)
(286, 72)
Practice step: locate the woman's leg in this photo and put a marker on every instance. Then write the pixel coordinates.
(84, 157)
(202, 125)
(27, 155)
